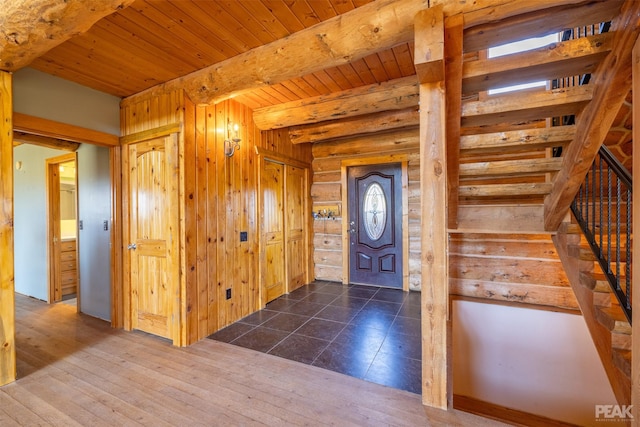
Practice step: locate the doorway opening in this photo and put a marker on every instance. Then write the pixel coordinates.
(62, 228)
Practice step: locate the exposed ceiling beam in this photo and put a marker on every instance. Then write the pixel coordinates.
(395, 94)
(372, 28)
(360, 125)
(612, 82)
(45, 141)
(30, 28)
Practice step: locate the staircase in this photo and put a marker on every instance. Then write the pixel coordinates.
(526, 152)
(608, 326)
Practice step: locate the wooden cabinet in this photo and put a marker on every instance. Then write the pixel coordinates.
(68, 267)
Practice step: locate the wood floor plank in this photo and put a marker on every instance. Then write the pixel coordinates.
(77, 370)
(13, 413)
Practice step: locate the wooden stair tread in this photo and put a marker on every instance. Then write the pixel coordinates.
(518, 107)
(622, 359)
(510, 167)
(583, 251)
(597, 282)
(516, 140)
(613, 319)
(566, 58)
(504, 190)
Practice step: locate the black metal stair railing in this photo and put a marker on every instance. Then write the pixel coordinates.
(602, 207)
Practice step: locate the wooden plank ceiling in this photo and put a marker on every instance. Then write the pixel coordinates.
(154, 41)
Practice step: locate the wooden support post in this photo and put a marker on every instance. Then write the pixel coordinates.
(433, 190)
(453, 82)
(7, 300)
(635, 252)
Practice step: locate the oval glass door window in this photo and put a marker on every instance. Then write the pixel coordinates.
(375, 211)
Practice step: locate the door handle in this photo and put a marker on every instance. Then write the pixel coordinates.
(132, 246)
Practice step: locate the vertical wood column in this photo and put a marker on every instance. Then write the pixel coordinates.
(635, 250)
(7, 298)
(429, 62)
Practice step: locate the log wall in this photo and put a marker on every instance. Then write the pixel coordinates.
(220, 201)
(326, 190)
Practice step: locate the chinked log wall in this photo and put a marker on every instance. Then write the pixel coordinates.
(220, 197)
(327, 190)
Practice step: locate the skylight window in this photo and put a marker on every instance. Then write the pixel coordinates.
(516, 47)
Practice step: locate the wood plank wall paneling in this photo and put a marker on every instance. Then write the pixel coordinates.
(7, 306)
(327, 190)
(218, 200)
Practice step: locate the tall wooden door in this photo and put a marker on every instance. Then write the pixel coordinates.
(296, 222)
(375, 225)
(272, 231)
(154, 234)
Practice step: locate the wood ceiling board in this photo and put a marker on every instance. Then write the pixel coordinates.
(210, 36)
(72, 64)
(183, 33)
(233, 29)
(147, 29)
(123, 38)
(324, 9)
(268, 23)
(404, 57)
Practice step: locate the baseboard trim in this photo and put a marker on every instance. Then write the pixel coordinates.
(501, 413)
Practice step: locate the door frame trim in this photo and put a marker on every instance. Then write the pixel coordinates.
(403, 159)
(53, 264)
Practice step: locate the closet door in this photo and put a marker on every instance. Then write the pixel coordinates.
(272, 254)
(153, 234)
(296, 222)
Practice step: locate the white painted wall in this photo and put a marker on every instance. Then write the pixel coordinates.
(30, 220)
(94, 243)
(536, 361)
(49, 97)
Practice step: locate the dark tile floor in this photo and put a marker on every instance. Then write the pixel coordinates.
(365, 332)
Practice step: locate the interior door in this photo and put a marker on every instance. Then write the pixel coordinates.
(61, 226)
(272, 232)
(296, 225)
(153, 234)
(375, 225)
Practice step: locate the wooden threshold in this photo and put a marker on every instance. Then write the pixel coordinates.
(77, 370)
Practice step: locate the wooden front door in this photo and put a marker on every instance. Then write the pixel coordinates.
(153, 234)
(375, 225)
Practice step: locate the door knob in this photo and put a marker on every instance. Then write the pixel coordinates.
(132, 246)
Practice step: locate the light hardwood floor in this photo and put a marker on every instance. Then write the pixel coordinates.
(75, 370)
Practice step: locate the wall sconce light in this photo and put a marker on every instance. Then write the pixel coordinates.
(232, 143)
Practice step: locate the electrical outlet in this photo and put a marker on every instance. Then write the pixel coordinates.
(80, 225)
(229, 293)
(243, 236)
(105, 225)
